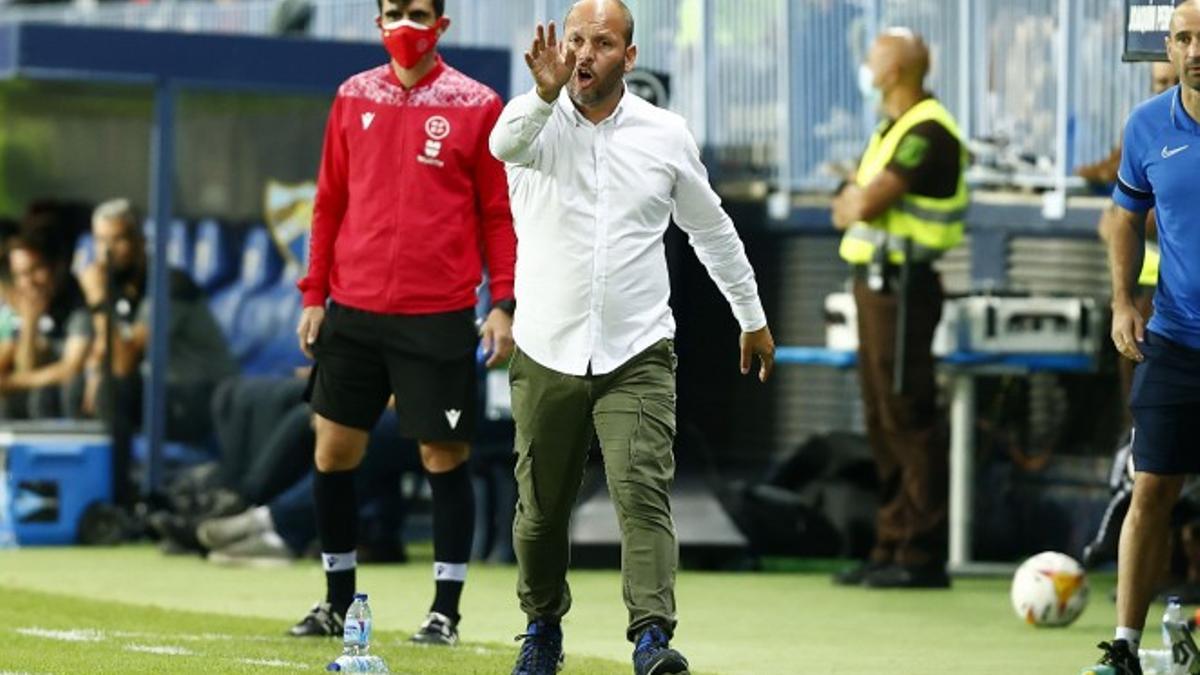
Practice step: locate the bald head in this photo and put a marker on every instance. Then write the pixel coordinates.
(905, 51)
(601, 11)
(1183, 43)
(1184, 11)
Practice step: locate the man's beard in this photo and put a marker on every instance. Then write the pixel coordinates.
(599, 92)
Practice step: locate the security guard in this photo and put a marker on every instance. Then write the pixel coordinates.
(902, 211)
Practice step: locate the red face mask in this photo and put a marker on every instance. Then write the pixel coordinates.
(408, 41)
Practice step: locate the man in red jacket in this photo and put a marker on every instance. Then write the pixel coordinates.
(410, 206)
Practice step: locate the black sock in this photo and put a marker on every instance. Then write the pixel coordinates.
(337, 526)
(453, 530)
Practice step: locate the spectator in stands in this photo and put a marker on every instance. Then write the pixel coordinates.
(198, 357)
(256, 504)
(42, 360)
(409, 208)
(281, 524)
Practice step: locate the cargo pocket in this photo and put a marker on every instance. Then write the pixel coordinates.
(651, 447)
(527, 490)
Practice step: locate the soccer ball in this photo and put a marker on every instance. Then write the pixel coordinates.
(1049, 589)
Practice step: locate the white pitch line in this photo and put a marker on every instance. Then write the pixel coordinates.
(274, 663)
(79, 635)
(159, 649)
(198, 637)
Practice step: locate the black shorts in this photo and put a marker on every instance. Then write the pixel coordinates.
(427, 361)
(1165, 401)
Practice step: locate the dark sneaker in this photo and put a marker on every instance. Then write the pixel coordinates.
(321, 621)
(542, 653)
(438, 629)
(908, 576)
(854, 576)
(1117, 659)
(653, 655)
(177, 533)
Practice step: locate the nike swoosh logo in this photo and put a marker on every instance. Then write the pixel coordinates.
(1167, 154)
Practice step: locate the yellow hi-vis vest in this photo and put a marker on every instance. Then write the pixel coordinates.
(934, 225)
(1149, 275)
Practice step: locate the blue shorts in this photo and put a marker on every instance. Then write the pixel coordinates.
(1165, 401)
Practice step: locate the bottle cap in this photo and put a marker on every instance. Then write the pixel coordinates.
(363, 596)
(1171, 599)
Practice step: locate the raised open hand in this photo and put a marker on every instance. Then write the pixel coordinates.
(550, 65)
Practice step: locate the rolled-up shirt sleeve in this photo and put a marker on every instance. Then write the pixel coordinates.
(515, 138)
(711, 232)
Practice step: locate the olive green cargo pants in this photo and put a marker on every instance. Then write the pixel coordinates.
(632, 412)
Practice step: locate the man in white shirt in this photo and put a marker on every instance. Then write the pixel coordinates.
(595, 176)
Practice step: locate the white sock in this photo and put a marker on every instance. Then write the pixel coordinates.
(340, 562)
(450, 572)
(1130, 635)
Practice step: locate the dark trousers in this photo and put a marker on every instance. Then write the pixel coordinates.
(265, 434)
(910, 454)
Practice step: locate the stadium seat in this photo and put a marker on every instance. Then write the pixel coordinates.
(266, 324)
(272, 315)
(180, 246)
(260, 268)
(214, 262)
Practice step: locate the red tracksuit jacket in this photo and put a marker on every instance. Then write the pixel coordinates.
(409, 199)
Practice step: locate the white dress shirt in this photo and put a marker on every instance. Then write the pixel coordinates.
(591, 203)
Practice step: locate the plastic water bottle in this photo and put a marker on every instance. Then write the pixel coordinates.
(1173, 614)
(357, 664)
(356, 634)
(356, 641)
(1155, 661)
(1182, 653)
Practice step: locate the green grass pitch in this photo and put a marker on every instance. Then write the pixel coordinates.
(131, 610)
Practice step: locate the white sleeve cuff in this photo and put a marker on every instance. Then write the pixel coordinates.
(750, 316)
(538, 105)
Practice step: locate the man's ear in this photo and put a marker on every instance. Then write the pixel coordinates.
(630, 58)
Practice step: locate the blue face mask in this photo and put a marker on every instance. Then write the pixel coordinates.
(866, 86)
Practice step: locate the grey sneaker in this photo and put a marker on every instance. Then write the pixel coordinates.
(437, 629)
(260, 550)
(321, 621)
(217, 533)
